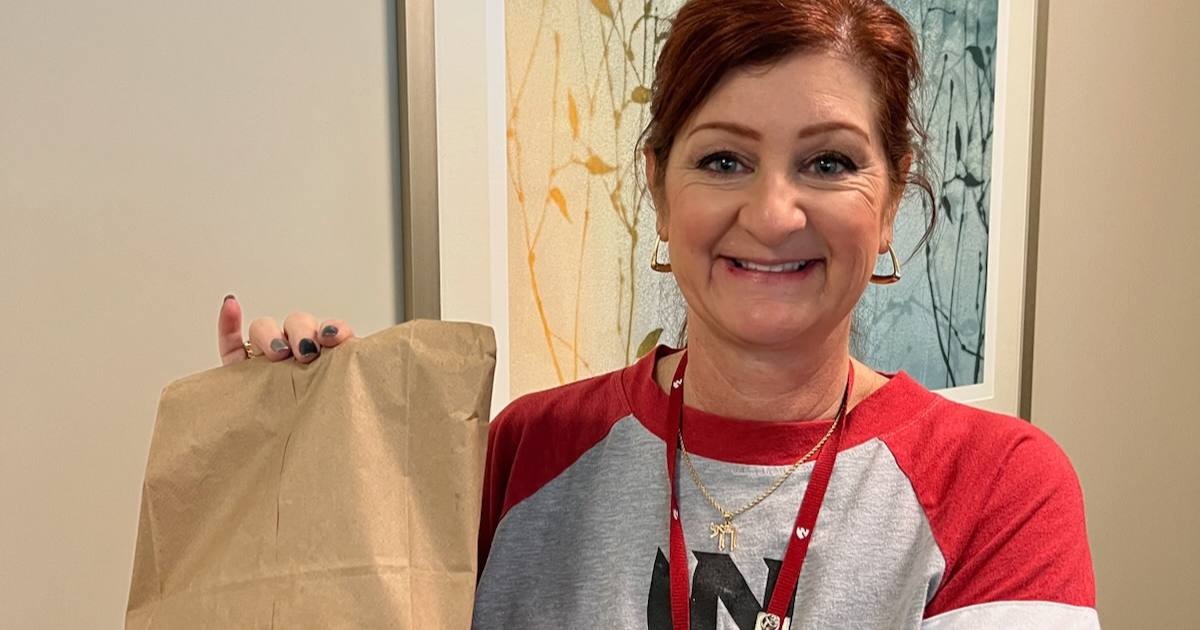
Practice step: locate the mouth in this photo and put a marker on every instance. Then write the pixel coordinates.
(785, 267)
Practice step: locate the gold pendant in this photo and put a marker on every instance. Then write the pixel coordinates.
(724, 533)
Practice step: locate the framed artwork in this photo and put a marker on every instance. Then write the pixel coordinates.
(565, 88)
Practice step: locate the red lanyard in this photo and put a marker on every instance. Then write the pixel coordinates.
(806, 519)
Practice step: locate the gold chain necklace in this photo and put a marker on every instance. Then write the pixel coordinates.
(727, 531)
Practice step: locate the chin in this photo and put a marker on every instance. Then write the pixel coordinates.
(765, 330)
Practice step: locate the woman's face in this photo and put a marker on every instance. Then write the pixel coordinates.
(776, 202)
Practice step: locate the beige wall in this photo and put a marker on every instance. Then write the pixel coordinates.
(1116, 362)
(155, 156)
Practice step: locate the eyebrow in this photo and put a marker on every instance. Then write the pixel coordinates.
(809, 131)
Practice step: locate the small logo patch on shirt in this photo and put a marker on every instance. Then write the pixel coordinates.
(802, 533)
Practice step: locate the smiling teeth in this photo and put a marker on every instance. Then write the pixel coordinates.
(780, 268)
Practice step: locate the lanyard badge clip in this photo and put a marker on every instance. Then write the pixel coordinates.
(767, 621)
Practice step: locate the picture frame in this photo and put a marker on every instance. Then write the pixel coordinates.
(473, 262)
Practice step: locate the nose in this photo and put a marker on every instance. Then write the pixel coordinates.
(774, 211)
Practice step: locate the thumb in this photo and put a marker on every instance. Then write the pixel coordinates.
(229, 332)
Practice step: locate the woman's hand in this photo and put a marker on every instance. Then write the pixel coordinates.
(300, 337)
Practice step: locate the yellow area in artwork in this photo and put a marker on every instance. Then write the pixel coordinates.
(579, 218)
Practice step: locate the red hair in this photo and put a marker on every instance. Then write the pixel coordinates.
(711, 38)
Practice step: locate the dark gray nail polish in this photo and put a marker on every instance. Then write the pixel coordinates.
(279, 345)
(308, 347)
(329, 331)
(229, 297)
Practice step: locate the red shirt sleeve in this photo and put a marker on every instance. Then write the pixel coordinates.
(501, 451)
(1005, 507)
(537, 437)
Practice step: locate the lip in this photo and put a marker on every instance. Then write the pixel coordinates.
(762, 277)
(769, 261)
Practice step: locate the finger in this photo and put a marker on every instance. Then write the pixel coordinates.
(229, 332)
(300, 329)
(334, 332)
(267, 339)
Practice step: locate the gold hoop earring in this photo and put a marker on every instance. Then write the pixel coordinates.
(660, 267)
(895, 276)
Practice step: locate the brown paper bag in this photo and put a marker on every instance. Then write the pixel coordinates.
(340, 494)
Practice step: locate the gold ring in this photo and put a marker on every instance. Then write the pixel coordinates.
(250, 354)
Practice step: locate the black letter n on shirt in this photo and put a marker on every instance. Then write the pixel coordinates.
(716, 579)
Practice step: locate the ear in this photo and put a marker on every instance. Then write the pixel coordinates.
(887, 222)
(661, 215)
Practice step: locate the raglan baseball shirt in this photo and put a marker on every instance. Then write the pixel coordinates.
(938, 516)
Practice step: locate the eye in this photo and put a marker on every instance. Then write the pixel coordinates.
(721, 163)
(831, 165)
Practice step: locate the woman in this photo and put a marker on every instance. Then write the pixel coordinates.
(804, 488)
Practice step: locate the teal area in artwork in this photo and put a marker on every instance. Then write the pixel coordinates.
(932, 324)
